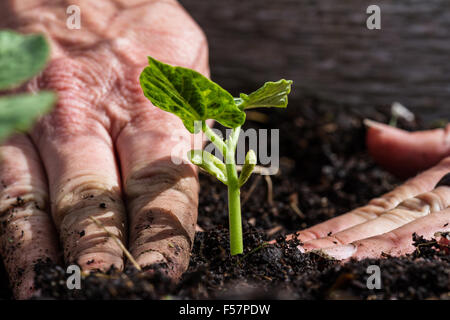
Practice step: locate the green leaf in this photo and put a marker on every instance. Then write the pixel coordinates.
(271, 95)
(21, 57)
(209, 163)
(247, 168)
(189, 95)
(18, 112)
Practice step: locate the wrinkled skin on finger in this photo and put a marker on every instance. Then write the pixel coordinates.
(104, 150)
(407, 153)
(386, 224)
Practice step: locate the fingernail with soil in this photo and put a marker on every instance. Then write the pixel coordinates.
(301, 249)
(339, 252)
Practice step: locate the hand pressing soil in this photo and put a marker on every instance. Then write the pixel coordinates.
(335, 177)
(267, 271)
(104, 151)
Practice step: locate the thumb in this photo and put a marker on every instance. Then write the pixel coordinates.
(406, 153)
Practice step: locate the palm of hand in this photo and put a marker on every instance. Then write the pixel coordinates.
(104, 151)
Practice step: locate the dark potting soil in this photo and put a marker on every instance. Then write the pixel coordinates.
(276, 271)
(324, 171)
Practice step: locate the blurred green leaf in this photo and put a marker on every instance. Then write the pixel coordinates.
(19, 112)
(21, 57)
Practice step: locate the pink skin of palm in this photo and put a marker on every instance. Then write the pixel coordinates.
(104, 150)
(386, 224)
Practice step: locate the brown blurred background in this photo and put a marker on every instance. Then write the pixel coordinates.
(326, 48)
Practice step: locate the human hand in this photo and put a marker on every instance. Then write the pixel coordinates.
(104, 151)
(387, 223)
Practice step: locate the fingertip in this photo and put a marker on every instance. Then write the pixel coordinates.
(383, 142)
(375, 125)
(102, 261)
(303, 236)
(27, 289)
(172, 266)
(151, 260)
(405, 153)
(325, 242)
(342, 252)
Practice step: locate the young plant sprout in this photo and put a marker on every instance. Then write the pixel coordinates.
(195, 99)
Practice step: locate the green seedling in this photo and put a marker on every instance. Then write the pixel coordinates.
(21, 58)
(195, 99)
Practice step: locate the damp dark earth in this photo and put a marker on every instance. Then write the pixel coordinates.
(324, 171)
